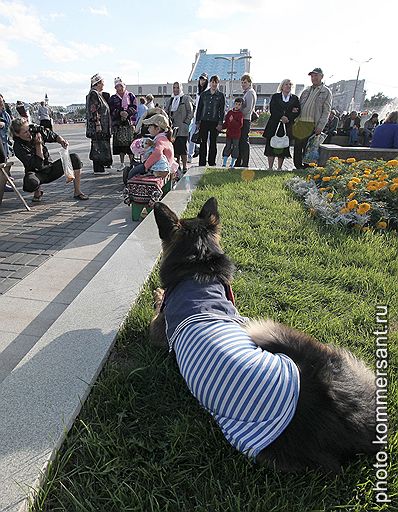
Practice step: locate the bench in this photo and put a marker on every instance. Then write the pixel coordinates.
(358, 152)
(143, 191)
(5, 178)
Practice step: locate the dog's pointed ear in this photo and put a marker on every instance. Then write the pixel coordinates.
(209, 212)
(166, 220)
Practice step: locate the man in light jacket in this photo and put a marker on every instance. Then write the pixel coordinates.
(316, 104)
(249, 104)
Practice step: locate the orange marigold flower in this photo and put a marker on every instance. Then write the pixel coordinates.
(352, 204)
(356, 180)
(381, 224)
(312, 164)
(326, 178)
(317, 176)
(394, 187)
(350, 160)
(353, 194)
(393, 163)
(363, 208)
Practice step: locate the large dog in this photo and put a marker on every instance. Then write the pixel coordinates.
(278, 395)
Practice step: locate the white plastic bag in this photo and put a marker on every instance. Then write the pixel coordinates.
(67, 165)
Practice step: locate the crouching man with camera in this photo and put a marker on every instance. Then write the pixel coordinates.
(30, 149)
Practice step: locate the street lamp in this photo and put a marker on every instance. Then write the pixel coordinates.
(232, 72)
(352, 103)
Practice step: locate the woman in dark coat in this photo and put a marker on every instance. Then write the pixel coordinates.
(98, 127)
(284, 107)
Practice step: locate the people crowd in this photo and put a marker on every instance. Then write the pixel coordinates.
(185, 128)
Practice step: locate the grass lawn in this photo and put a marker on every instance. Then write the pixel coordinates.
(142, 443)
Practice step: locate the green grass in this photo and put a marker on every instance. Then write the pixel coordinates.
(142, 442)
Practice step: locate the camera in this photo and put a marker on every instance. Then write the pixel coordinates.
(35, 129)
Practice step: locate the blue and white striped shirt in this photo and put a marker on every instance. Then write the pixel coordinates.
(251, 393)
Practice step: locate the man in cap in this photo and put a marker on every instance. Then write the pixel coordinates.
(316, 104)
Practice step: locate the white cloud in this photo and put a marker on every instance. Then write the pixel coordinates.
(102, 11)
(223, 9)
(54, 15)
(8, 58)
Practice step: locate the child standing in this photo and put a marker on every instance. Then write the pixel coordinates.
(233, 123)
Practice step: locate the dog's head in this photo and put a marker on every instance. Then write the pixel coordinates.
(191, 247)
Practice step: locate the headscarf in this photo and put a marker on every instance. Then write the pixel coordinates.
(176, 99)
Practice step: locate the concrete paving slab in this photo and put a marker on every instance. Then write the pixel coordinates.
(58, 280)
(90, 245)
(27, 316)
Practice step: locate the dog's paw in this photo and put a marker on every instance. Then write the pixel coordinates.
(158, 295)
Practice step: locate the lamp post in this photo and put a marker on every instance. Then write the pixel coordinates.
(352, 103)
(232, 72)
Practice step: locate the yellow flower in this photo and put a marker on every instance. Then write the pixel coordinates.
(381, 224)
(330, 195)
(363, 208)
(394, 187)
(322, 189)
(395, 180)
(312, 164)
(326, 178)
(372, 185)
(335, 158)
(356, 180)
(317, 176)
(344, 210)
(382, 184)
(382, 177)
(350, 160)
(352, 204)
(351, 185)
(351, 195)
(393, 163)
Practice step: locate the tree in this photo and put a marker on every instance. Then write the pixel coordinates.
(377, 101)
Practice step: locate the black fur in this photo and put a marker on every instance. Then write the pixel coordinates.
(335, 415)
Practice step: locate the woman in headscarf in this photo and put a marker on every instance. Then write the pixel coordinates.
(123, 107)
(98, 127)
(180, 111)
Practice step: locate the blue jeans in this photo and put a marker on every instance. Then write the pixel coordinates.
(353, 137)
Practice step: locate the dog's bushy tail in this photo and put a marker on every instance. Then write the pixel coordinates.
(335, 415)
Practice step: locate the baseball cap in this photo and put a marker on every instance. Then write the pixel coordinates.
(158, 120)
(316, 70)
(204, 75)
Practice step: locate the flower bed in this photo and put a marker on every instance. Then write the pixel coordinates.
(363, 194)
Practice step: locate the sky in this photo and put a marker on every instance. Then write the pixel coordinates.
(55, 47)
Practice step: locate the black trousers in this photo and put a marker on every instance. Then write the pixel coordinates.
(206, 128)
(299, 148)
(244, 145)
(32, 180)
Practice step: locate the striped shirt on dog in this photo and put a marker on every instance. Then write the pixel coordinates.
(251, 393)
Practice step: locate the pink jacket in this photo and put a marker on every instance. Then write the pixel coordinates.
(162, 147)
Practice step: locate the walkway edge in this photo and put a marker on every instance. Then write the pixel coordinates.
(43, 395)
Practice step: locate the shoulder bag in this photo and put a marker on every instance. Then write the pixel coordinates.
(277, 142)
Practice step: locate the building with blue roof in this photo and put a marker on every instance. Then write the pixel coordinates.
(212, 64)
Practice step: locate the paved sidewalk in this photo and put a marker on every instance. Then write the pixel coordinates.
(28, 239)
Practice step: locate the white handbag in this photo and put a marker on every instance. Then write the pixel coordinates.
(277, 142)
